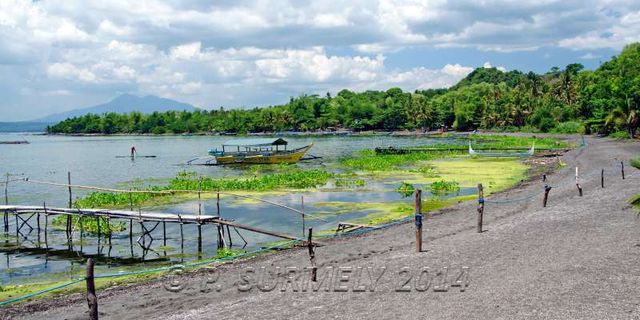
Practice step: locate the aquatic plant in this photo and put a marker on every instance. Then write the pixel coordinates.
(228, 253)
(406, 189)
(428, 171)
(189, 181)
(368, 160)
(635, 162)
(293, 179)
(350, 182)
(90, 225)
(441, 187)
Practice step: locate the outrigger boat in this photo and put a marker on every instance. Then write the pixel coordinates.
(258, 151)
(525, 154)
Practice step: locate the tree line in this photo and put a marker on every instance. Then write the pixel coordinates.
(605, 100)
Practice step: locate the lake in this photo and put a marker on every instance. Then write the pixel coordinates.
(94, 161)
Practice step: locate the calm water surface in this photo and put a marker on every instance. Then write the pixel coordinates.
(93, 161)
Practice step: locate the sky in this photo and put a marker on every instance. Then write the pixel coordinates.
(62, 55)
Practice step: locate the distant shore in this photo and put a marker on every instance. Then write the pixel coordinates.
(285, 133)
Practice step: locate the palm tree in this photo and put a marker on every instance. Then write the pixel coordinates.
(624, 117)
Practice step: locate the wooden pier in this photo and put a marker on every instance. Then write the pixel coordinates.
(24, 214)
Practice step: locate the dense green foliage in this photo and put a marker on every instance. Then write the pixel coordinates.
(605, 100)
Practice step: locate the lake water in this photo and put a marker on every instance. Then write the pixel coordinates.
(94, 161)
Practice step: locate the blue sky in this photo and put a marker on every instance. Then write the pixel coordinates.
(61, 55)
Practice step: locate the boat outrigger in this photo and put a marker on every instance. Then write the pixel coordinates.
(525, 154)
(258, 151)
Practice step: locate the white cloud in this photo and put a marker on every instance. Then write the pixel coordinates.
(328, 20)
(71, 72)
(590, 56)
(108, 27)
(457, 70)
(487, 65)
(263, 51)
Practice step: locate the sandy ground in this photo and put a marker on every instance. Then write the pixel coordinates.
(575, 259)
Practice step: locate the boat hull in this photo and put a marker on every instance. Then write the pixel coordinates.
(274, 158)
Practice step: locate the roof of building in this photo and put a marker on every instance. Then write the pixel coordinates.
(256, 142)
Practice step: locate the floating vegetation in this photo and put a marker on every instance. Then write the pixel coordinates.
(292, 179)
(406, 189)
(350, 182)
(90, 225)
(443, 187)
(228, 253)
(368, 160)
(635, 162)
(507, 142)
(428, 171)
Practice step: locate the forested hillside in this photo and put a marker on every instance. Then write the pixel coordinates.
(605, 100)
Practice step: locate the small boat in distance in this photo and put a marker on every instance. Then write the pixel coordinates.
(258, 151)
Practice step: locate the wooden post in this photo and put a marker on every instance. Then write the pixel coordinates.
(302, 206)
(69, 185)
(6, 202)
(92, 299)
(578, 182)
(480, 208)
(164, 233)
(109, 230)
(312, 255)
(218, 203)
(46, 224)
(547, 188)
(622, 169)
(602, 178)
(418, 219)
(130, 200)
(70, 205)
(199, 214)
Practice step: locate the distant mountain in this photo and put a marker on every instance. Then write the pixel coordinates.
(125, 103)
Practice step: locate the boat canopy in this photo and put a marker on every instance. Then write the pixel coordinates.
(256, 142)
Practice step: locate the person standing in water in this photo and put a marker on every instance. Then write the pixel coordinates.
(133, 151)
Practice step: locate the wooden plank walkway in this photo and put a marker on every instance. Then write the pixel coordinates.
(121, 214)
(142, 216)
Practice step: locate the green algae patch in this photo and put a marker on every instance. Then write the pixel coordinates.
(389, 212)
(495, 174)
(384, 212)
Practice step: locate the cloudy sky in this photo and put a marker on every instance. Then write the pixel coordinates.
(60, 55)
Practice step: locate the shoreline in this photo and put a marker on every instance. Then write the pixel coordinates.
(530, 176)
(518, 261)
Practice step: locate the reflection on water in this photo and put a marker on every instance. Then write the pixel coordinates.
(93, 161)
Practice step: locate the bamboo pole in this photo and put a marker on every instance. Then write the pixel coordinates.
(6, 202)
(480, 208)
(70, 205)
(302, 209)
(199, 214)
(546, 195)
(312, 256)
(46, 224)
(92, 299)
(578, 182)
(418, 219)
